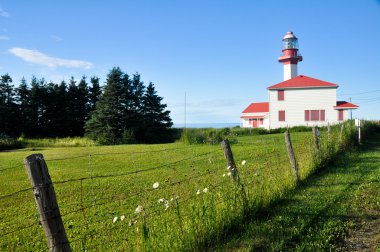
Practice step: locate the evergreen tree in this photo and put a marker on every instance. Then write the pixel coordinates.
(23, 96)
(78, 103)
(106, 122)
(94, 93)
(157, 121)
(136, 119)
(128, 112)
(35, 107)
(8, 107)
(61, 104)
(82, 106)
(55, 115)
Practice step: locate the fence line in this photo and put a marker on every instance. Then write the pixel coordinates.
(94, 207)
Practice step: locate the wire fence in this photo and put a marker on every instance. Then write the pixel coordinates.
(160, 199)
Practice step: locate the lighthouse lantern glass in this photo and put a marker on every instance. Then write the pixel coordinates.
(290, 43)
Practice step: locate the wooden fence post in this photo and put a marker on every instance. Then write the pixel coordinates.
(47, 204)
(232, 168)
(328, 129)
(316, 137)
(341, 134)
(291, 155)
(230, 159)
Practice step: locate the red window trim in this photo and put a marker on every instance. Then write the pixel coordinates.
(281, 116)
(322, 115)
(307, 115)
(340, 115)
(280, 95)
(315, 115)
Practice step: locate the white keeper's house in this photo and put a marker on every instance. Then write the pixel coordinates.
(298, 100)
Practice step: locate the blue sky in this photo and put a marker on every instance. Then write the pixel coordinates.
(223, 54)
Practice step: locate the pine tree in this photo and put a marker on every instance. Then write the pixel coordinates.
(135, 118)
(157, 121)
(106, 122)
(82, 106)
(78, 103)
(23, 96)
(35, 107)
(95, 92)
(8, 107)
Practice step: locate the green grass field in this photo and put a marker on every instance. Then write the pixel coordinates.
(337, 209)
(195, 205)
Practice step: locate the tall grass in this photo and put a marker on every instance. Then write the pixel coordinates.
(207, 136)
(56, 142)
(214, 136)
(8, 143)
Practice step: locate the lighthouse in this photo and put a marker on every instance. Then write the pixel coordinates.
(290, 56)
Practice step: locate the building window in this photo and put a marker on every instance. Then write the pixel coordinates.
(340, 115)
(280, 95)
(315, 115)
(307, 115)
(281, 115)
(321, 115)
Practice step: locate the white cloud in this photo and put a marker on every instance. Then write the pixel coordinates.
(4, 38)
(36, 57)
(3, 13)
(56, 38)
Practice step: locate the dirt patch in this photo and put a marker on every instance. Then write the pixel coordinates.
(366, 237)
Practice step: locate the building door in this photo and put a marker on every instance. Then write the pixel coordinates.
(340, 115)
(255, 123)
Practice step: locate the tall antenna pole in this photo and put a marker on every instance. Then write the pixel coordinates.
(185, 114)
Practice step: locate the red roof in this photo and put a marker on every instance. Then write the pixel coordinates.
(259, 107)
(345, 105)
(302, 81)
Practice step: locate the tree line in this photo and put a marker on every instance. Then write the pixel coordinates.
(123, 111)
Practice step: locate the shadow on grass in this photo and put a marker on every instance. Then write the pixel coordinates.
(316, 215)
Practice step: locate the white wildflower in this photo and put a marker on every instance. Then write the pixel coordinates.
(114, 219)
(161, 200)
(205, 190)
(132, 222)
(122, 217)
(175, 197)
(166, 204)
(243, 162)
(139, 209)
(229, 173)
(198, 191)
(229, 167)
(156, 185)
(224, 174)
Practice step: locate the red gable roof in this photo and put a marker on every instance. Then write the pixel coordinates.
(302, 81)
(259, 107)
(345, 105)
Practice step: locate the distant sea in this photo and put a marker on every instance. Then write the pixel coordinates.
(206, 125)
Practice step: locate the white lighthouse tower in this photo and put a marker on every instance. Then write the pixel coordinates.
(290, 56)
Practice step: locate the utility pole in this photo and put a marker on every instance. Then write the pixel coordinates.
(184, 124)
